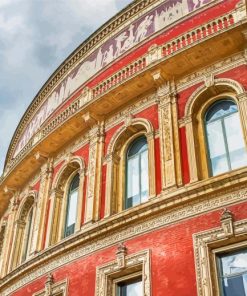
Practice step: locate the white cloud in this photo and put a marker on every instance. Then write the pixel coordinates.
(35, 37)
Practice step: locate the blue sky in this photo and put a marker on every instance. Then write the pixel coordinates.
(35, 37)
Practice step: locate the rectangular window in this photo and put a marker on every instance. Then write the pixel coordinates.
(232, 273)
(132, 287)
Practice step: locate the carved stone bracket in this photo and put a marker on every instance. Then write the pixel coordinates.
(159, 80)
(10, 190)
(40, 156)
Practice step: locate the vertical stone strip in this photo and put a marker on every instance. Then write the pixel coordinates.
(42, 203)
(8, 241)
(169, 143)
(96, 138)
(112, 162)
(242, 99)
(190, 141)
(54, 217)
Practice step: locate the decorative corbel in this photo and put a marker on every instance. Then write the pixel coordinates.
(121, 255)
(89, 118)
(227, 222)
(158, 78)
(40, 156)
(10, 190)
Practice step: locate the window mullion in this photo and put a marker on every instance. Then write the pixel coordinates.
(140, 178)
(226, 144)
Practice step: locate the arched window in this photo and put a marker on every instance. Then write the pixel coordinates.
(71, 210)
(27, 235)
(226, 147)
(137, 173)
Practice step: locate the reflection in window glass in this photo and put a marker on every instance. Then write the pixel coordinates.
(137, 173)
(72, 206)
(130, 288)
(226, 147)
(233, 273)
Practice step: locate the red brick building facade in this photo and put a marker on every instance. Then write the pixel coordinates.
(127, 173)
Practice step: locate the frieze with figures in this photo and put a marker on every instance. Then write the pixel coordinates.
(144, 27)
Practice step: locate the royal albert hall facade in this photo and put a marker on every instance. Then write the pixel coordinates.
(127, 174)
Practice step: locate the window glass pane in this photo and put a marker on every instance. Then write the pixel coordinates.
(137, 173)
(233, 274)
(133, 177)
(75, 182)
(144, 175)
(27, 235)
(132, 288)
(235, 141)
(220, 109)
(72, 208)
(139, 145)
(216, 145)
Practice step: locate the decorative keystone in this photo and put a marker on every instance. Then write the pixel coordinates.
(209, 80)
(227, 222)
(48, 284)
(121, 255)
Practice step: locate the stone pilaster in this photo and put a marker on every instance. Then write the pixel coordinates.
(169, 137)
(9, 234)
(112, 162)
(242, 99)
(96, 138)
(42, 204)
(191, 148)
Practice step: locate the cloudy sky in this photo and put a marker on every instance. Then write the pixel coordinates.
(35, 37)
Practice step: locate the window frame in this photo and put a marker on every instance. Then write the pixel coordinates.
(221, 119)
(231, 236)
(124, 267)
(129, 277)
(128, 148)
(116, 163)
(57, 289)
(199, 136)
(228, 249)
(27, 236)
(68, 196)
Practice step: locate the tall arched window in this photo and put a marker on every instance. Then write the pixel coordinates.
(137, 173)
(72, 201)
(226, 147)
(27, 235)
